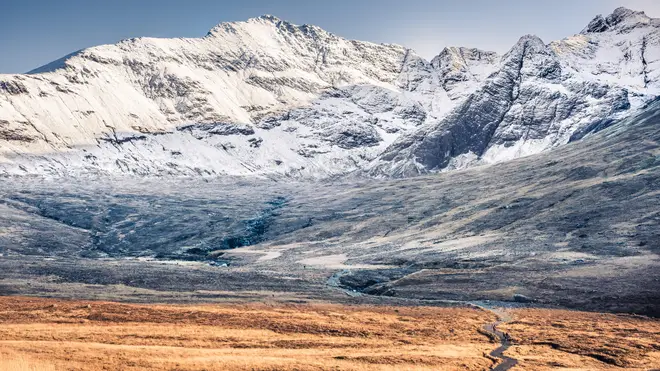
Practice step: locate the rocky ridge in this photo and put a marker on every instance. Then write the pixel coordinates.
(266, 97)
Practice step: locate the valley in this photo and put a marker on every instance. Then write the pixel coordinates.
(535, 230)
(272, 196)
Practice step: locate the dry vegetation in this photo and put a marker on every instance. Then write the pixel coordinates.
(63, 335)
(558, 339)
(53, 335)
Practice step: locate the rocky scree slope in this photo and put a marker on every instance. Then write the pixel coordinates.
(266, 97)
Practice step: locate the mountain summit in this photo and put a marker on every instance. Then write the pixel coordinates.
(622, 18)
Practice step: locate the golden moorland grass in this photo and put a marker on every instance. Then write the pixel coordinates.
(561, 339)
(70, 335)
(52, 335)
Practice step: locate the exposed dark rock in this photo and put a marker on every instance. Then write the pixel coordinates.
(352, 136)
(200, 131)
(598, 24)
(519, 298)
(255, 142)
(124, 139)
(13, 87)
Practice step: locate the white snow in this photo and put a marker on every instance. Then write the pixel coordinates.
(318, 105)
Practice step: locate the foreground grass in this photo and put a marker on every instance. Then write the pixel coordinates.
(563, 340)
(53, 335)
(13, 362)
(109, 336)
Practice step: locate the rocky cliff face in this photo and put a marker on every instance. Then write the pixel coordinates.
(266, 97)
(540, 97)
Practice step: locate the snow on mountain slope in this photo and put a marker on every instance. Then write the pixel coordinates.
(541, 96)
(620, 49)
(456, 66)
(268, 96)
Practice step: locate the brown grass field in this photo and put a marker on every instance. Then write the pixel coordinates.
(569, 340)
(46, 334)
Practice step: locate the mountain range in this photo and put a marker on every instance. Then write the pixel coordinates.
(269, 98)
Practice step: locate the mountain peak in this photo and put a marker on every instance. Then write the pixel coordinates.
(529, 38)
(532, 57)
(457, 58)
(461, 50)
(269, 20)
(620, 18)
(268, 17)
(262, 19)
(622, 14)
(528, 44)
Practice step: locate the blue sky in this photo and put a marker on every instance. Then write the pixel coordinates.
(35, 32)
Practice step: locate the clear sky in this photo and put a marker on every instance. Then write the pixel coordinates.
(35, 32)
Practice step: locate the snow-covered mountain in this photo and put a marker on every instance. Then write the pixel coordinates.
(266, 97)
(541, 96)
